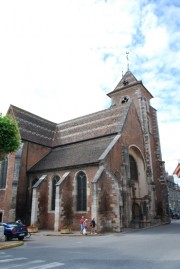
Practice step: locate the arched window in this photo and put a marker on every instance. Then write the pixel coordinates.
(81, 192)
(133, 168)
(53, 194)
(3, 173)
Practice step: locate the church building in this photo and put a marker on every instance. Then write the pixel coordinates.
(106, 165)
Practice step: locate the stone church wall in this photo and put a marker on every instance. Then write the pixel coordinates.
(69, 215)
(108, 203)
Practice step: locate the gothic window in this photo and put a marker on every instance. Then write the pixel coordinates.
(53, 194)
(133, 169)
(3, 173)
(81, 192)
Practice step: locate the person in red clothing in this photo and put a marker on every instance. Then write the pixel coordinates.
(81, 224)
(85, 227)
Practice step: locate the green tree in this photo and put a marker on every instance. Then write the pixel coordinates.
(9, 135)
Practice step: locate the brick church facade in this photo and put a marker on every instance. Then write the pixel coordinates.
(105, 165)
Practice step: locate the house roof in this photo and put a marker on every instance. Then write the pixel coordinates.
(177, 171)
(82, 153)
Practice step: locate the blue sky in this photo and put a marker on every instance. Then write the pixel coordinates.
(59, 59)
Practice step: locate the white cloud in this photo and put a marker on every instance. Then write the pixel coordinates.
(169, 134)
(60, 58)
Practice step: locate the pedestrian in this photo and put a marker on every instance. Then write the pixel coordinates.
(93, 225)
(19, 221)
(85, 227)
(81, 224)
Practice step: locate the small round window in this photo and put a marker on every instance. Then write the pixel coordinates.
(124, 99)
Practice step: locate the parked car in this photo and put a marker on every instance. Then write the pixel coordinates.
(14, 230)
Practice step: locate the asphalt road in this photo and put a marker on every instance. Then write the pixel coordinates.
(153, 248)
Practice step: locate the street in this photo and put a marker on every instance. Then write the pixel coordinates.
(153, 248)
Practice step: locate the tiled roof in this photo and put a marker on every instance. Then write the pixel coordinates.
(105, 122)
(33, 128)
(38, 130)
(177, 171)
(82, 153)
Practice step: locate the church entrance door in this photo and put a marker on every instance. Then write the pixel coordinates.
(136, 212)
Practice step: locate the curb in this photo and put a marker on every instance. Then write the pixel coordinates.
(12, 245)
(71, 235)
(65, 234)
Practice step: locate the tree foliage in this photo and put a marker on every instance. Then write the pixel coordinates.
(9, 134)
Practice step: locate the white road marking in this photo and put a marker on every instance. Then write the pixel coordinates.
(47, 266)
(6, 256)
(24, 265)
(13, 260)
(27, 264)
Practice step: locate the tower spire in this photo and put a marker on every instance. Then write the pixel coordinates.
(127, 53)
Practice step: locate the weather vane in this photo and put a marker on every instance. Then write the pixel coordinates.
(127, 53)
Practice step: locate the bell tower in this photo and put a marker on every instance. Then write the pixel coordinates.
(129, 89)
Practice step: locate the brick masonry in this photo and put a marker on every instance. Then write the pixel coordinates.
(98, 144)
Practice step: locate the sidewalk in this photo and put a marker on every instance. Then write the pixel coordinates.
(16, 243)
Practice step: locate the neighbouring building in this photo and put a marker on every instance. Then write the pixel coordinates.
(177, 171)
(173, 194)
(105, 165)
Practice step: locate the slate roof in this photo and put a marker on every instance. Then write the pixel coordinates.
(82, 153)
